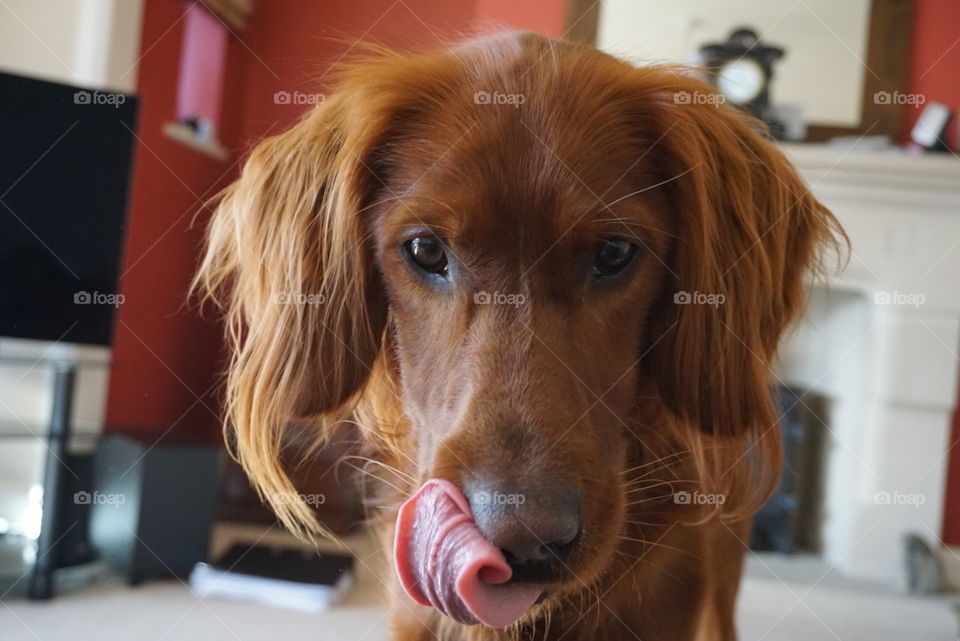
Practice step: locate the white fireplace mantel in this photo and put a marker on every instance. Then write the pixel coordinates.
(881, 341)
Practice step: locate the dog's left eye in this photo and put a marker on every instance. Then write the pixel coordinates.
(428, 254)
(612, 257)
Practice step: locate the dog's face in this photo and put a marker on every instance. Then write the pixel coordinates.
(572, 280)
(519, 299)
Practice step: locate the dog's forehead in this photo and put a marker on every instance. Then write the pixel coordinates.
(516, 167)
(520, 149)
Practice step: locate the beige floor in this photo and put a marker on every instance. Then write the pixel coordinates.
(782, 600)
(797, 598)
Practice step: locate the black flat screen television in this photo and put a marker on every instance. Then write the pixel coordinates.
(65, 166)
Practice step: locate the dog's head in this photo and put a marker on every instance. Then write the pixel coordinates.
(565, 275)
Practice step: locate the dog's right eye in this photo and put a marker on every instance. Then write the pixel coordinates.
(428, 254)
(612, 257)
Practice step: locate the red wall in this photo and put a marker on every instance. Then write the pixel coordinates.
(935, 74)
(951, 507)
(295, 47)
(166, 356)
(935, 67)
(544, 17)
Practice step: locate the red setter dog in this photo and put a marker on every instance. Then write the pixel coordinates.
(547, 285)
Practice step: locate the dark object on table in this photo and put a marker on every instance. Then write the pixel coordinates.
(790, 520)
(154, 505)
(293, 578)
(742, 69)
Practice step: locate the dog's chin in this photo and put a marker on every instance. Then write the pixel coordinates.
(556, 598)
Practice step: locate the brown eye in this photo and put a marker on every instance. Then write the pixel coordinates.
(612, 257)
(427, 253)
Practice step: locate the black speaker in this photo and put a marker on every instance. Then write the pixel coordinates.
(154, 505)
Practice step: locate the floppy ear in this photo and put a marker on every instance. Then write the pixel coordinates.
(288, 259)
(749, 231)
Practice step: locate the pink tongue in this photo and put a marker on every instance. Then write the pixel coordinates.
(443, 560)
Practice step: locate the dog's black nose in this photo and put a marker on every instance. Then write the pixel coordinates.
(535, 526)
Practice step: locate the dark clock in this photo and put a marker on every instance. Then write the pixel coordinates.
(741, 69)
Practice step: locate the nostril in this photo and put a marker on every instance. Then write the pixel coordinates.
(540, 563)
(539, 551)
(560, 550)
(555, 551)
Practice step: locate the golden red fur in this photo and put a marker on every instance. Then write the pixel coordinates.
(611, 383)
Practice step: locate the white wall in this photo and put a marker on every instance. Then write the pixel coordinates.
(825, 42)
(38, 38)
(93, 43)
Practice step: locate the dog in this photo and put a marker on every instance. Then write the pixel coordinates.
(548, 286)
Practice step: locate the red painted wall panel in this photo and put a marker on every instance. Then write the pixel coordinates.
(165, 356)
(935, 66)
(544, 16)
(292, 50)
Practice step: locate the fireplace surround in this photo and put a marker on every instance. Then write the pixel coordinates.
(881, 340)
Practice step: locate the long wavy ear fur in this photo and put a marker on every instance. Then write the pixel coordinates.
(750, 232)
(288, 259)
